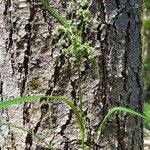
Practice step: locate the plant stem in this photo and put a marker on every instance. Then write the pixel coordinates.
(79, 85)
(80, 92)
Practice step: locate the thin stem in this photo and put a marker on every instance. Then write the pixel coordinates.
(80, 92)
(79, 85)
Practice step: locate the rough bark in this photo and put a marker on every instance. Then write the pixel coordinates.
(31, 63)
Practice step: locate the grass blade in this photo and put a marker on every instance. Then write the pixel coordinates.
(14, 101)
(146, 24)
(55, 14)
(147, 114)
(110, 112)
(147, 66)
(23, 129)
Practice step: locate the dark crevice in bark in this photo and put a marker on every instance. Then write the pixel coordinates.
(66, 147)
(6, 12)
(44, 110)
(118, 4)
(105, 78)
(83, 74)
(28, 38)
(25, 66)
(73, 92)
(99, 32)
(27, 53)
(128, 100)
(10, 40)
(7, 6)
(126, 55)
(63, 129)
(1, 90)
(12, 139)
(26, 114)
(102, 15)
(37, 126)
(140, 95)
(50, 89)
(116, 30)
(58, 66)
(44, 14)
(64, 126)
(132, 144)
(103, 87)
(64, 4)
(120, 141)
(28, 141)
(12, 63)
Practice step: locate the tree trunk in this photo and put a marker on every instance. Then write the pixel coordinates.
(31, 62)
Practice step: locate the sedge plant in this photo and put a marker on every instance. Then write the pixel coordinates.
(77, 49)
(10, 102)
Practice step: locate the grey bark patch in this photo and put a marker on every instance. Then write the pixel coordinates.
(31, 63)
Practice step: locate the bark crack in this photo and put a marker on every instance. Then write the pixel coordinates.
(104, 83)
(1, 90)
(28, 141)
(102, 14)
(12, 138)
(27, 54)
(126, 55)
(63, 128)
(7, 6)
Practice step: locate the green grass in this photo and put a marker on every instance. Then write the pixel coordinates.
(147, 115)
(11, 102)
(110, 112)
(146, 24)
(78, 116)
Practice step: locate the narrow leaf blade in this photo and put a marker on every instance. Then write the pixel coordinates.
(14, 101)
(55, 14)
(111, 111)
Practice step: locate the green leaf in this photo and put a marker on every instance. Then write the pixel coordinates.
(147, 114)
(55, 14)
(110, 112)
(13, 101)
(147, 66)
(146, 1)
(146, 24)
